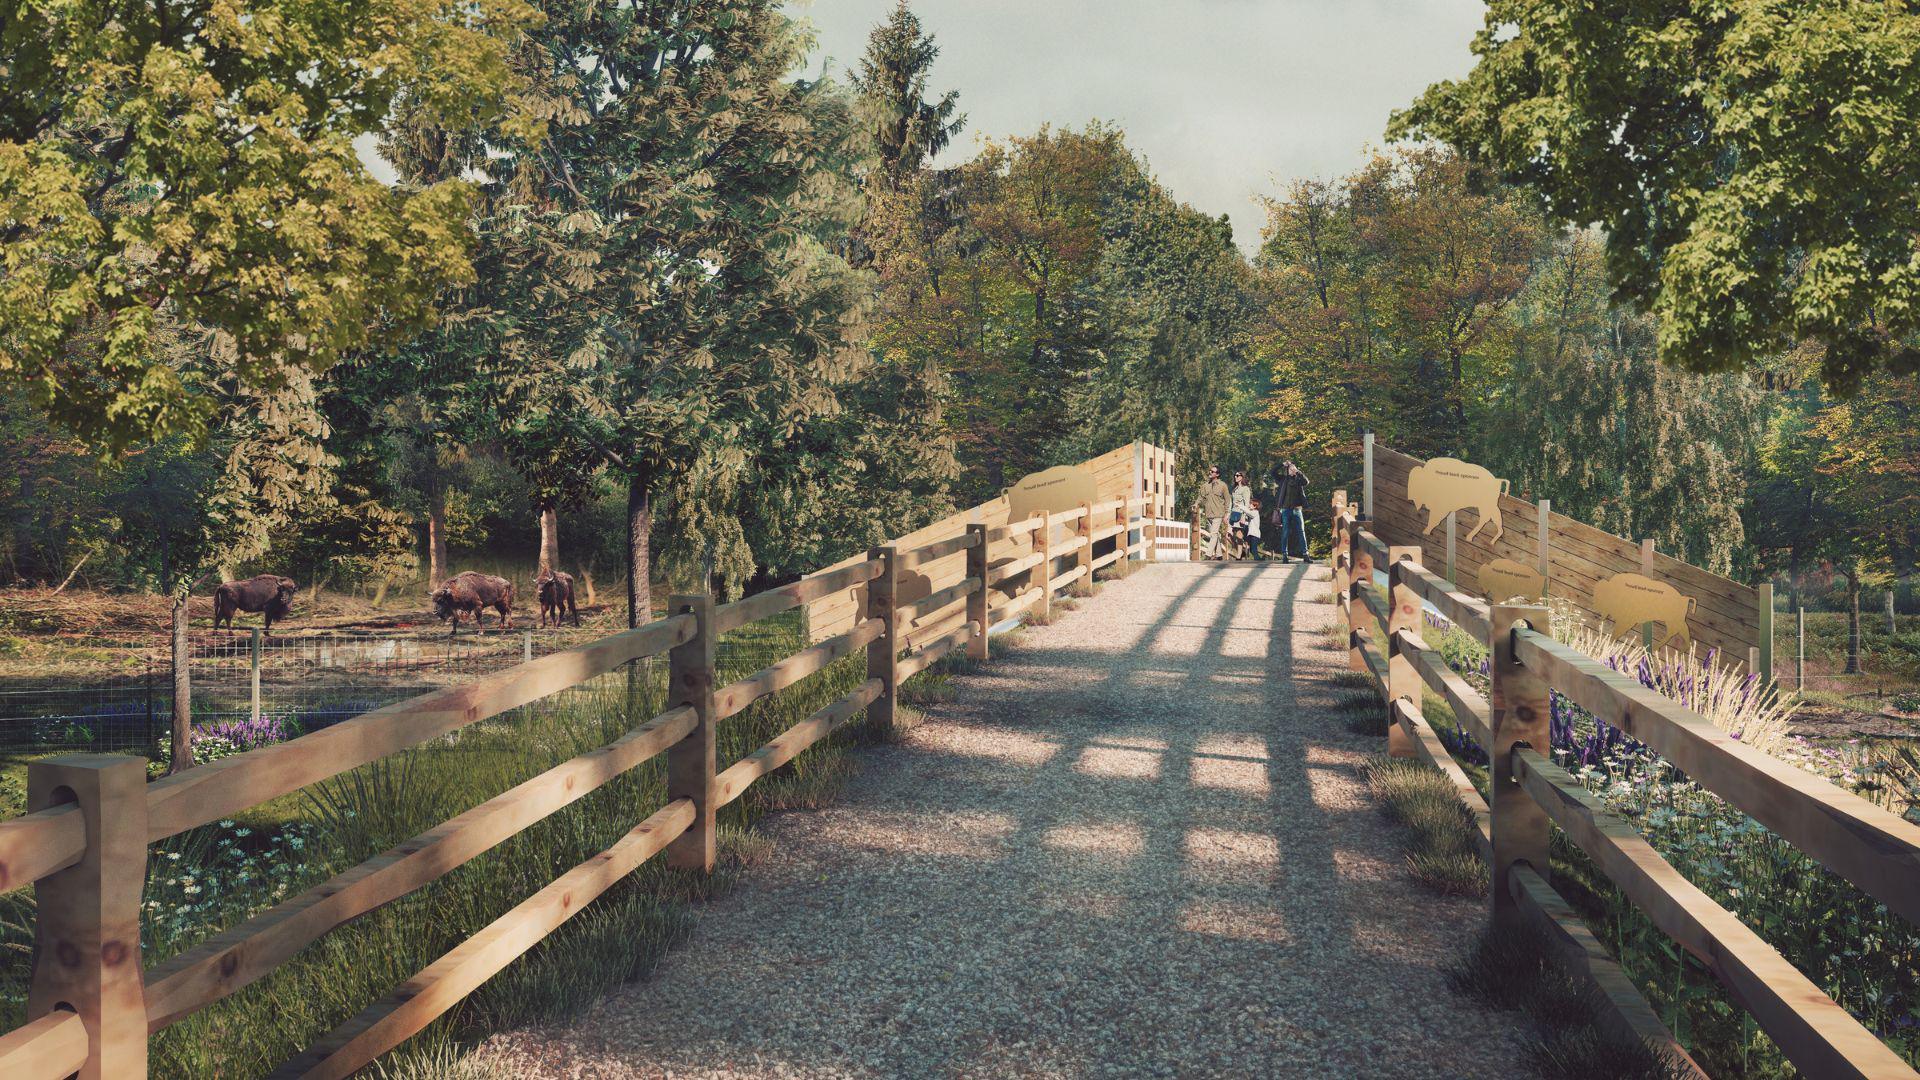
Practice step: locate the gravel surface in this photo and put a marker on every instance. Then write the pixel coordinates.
(1136, 845)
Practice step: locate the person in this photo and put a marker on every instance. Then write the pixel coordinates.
(1290, 511)
(1240, 501)
(1253, 530)
(1214, 501)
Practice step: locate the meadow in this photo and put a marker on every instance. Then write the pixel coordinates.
(215, 877)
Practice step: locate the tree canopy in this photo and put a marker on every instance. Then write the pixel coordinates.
(1752, 163)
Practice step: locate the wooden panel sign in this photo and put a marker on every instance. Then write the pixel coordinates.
(1503, 579)
(1630, 601)
(1051, 491)
(1444, 485)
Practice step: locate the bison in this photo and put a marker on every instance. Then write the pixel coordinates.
(554, 588)
(1504, 579)
(1444, 485)
(267, 594)
(1630, 600)
(473, 592)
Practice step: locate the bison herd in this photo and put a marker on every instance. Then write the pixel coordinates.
(271, 597)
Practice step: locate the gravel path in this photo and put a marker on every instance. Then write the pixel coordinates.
(1136, 845)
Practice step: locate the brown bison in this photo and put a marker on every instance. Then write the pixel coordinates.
(267, 594)
(555, 591)
(473, 592)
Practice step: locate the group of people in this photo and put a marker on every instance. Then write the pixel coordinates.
(1233, 512)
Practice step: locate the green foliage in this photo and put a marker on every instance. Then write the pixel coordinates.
(908, 130)
(189, 171)
(1752, 164)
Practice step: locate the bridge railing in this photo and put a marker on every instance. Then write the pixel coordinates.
(83, 847)
(1879, 852)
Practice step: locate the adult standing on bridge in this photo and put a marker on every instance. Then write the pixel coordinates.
(1290, 510)
(1214, 500)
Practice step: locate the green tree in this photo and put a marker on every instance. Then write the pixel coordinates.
(1752, 164)
(192, 165)
(909, 130)
(682, 307)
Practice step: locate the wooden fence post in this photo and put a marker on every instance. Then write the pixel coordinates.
(1521, 710)
(1361, 562)
(1402, 680)
(86, 951)
(1084, 586)
(1333, 533)
(690, 762)
(1646, 569)
(1043, 574)
(883, 652)
(1546, 549)
(1451, 579)
(1366, 490)
(1342, 557)
(1766, 632)
(977, 600)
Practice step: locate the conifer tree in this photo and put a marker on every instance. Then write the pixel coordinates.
(909, 130)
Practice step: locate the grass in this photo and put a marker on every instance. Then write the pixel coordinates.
(216, 876)
(1443, 856)
(1512, 967)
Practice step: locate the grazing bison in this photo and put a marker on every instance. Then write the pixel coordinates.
(554, 588)
(268, 594)
(473, 592)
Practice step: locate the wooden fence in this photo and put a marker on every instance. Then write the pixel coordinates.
(1875, 850)
(84, 844)
(1734, 618)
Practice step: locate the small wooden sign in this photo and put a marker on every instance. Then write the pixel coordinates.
(1445, 485)
(1503, 580)
(1051, 491)
(1630, 601)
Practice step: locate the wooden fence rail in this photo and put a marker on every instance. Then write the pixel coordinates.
(84, 845)
(1875, 850)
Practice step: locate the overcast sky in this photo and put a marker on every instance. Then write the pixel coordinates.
(1227, 99)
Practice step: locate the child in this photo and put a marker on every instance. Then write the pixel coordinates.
(1253, 531)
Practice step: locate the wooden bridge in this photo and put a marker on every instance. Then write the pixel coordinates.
(1139, 839)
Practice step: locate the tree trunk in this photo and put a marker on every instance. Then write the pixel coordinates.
(639, 561)
(1853, 626)
(436, 538)
(1893, 624)
(549, 539)
(182, 756)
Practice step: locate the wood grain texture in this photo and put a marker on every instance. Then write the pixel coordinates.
(736, 778)
(1818, 1036)
(1626, 1013)
(1876, 850)
(50, 1048)
(228, 786)
(762, 605)
(1519, 712)
(37, 844)
(445, 982)
(939, 549)
(237, 957)
(1469, 708)
(731, 699)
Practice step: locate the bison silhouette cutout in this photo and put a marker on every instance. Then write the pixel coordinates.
(1633, 600)
(1445, 485)
(1504, 579)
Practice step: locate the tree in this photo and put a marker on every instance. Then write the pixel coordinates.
(1588, 417)
(908, 129)
(1386, 295)
(190, 165)
(1752, 164)
(685, 305)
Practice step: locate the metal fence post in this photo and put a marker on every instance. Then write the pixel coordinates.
(1521, 711)
(86, 948)
(690, 762)
(253, 661)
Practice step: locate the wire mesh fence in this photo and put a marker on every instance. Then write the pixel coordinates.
(115, 692)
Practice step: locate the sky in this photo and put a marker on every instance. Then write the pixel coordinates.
(1228, 100)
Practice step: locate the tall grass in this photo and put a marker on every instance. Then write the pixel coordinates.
(214, 877)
